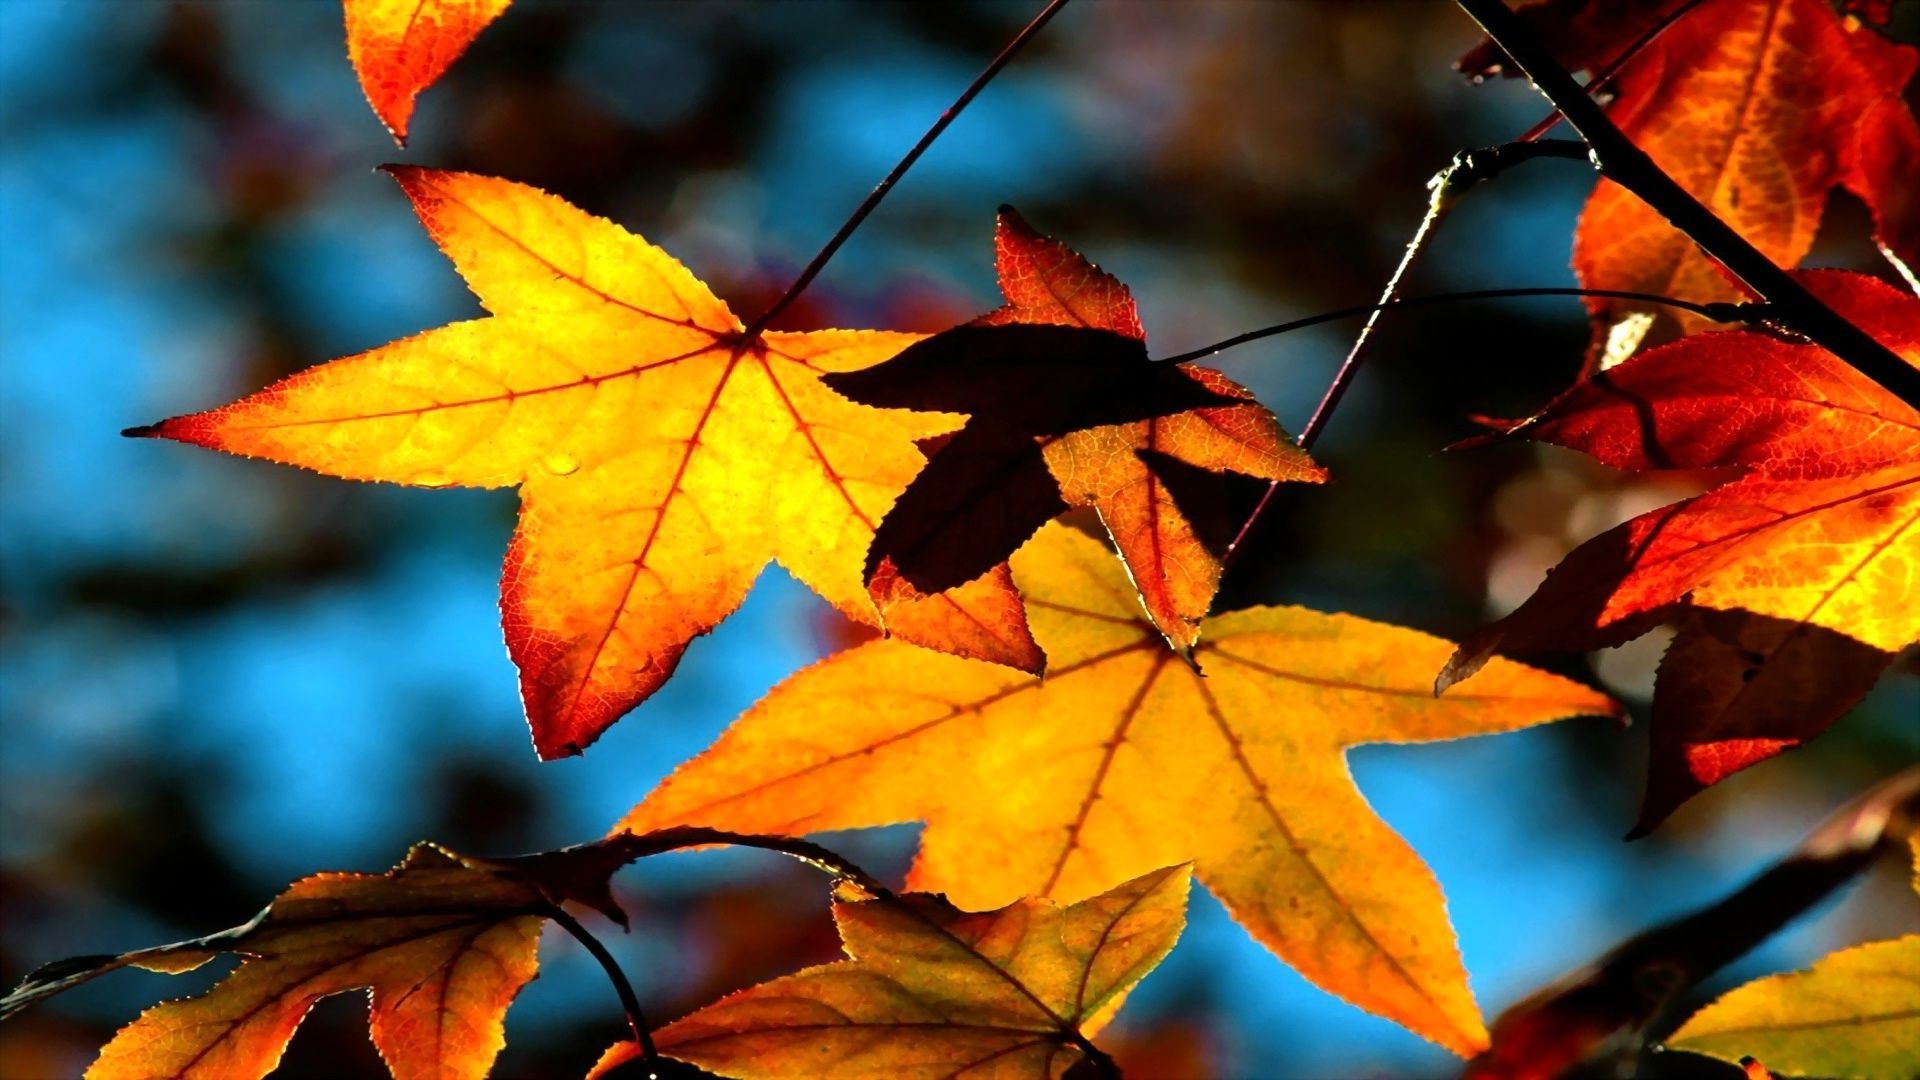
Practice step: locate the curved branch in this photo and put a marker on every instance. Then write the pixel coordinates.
(629, 1002)
(640, 845)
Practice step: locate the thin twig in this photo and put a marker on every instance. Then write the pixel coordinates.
(880, 190)
(1718, 311)
(1441, 193)
(1629, 166)
(1465, 171)
(629, 1002)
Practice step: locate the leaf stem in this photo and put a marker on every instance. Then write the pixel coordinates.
(1621, 161)
(633, 846)
(881, 189)
(1467, 169)
(1718, 311)
(629, 1002)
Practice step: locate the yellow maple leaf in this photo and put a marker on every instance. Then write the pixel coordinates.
(663, 457)
(1124, 759)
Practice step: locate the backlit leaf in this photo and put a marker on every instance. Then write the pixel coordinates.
(1855, 1013)
(1806, 566)
(1759, 108)
(1066, 410)
(1125, 759)
(931, 991)
(662, 458)
(442, 943)
(399, 47)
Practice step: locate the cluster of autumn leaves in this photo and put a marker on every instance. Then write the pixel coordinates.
(1057, 702)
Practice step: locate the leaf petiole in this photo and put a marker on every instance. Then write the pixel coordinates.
(886, 184)
(1718, 312)
(629, 1001)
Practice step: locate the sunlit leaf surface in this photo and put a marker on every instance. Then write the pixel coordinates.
(1124, 759)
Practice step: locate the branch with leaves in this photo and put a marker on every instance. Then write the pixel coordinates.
(1037, 514)
(443, 943)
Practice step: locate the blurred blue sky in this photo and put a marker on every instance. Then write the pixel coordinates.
(311, 710)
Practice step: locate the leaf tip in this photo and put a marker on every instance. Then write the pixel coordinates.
(1659, 803)
(564, 737)
(409, 177)
(393, 107)
(1009, 221)
(195, 429)
(550, 751)
(1468, 659)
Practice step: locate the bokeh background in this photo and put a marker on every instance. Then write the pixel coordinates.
(219, 675)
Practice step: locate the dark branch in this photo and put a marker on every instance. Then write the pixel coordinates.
(632, 846)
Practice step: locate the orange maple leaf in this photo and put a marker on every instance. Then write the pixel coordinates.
(663, 457)
(400, 47)
(1124, 759)
(1759, 108)
(442, 943)
(931, 991)
(1081, 418)
(1792, 585)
